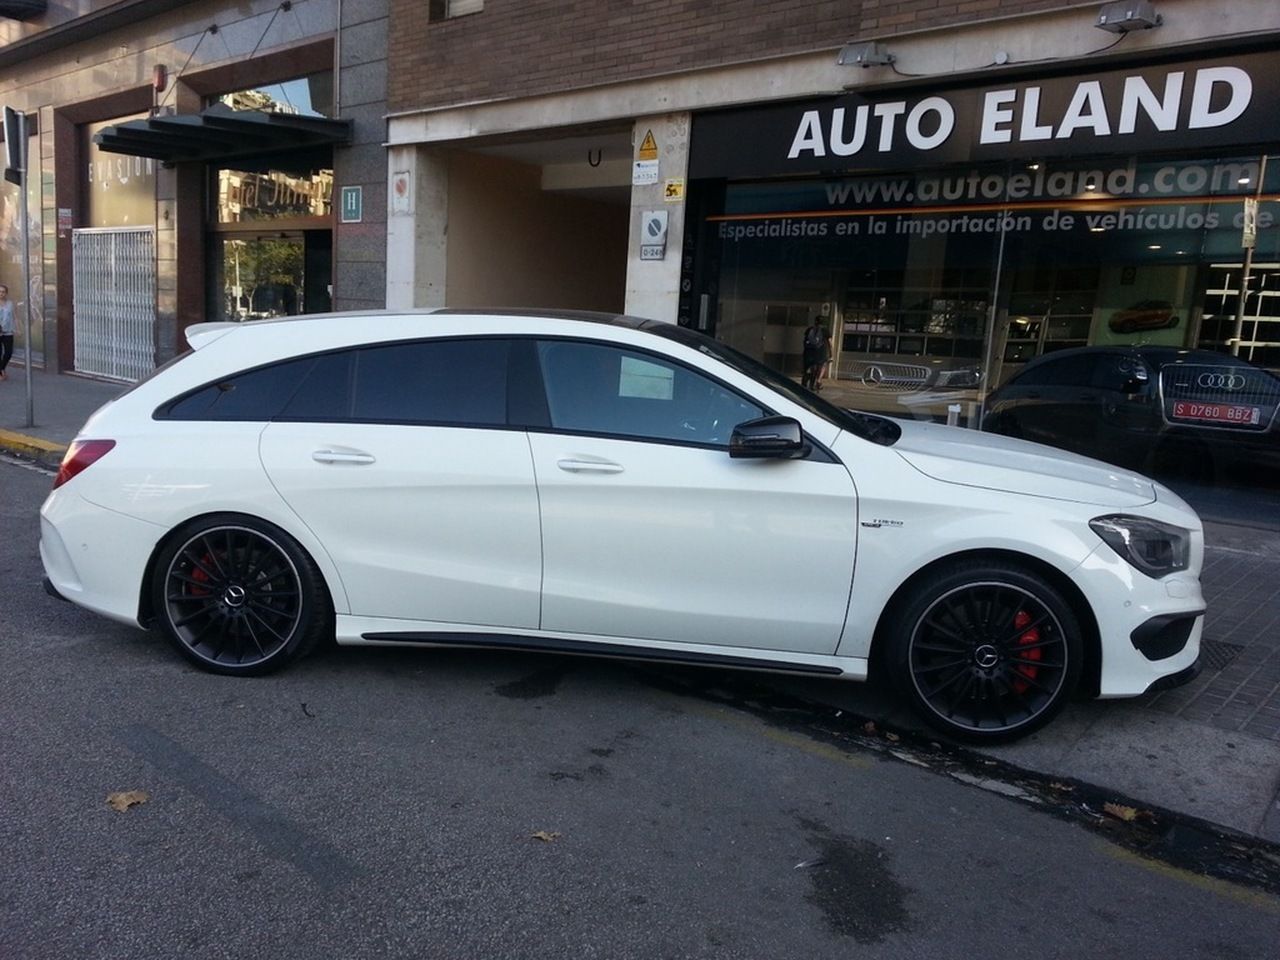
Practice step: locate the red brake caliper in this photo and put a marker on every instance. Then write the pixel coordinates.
(1020, 620)
(197, 573)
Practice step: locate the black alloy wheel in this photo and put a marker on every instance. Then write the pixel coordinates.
(986, 651)
(238, 596)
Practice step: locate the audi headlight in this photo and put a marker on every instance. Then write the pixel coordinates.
(1153, 547)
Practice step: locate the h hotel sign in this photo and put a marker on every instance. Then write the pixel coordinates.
(1224, 102)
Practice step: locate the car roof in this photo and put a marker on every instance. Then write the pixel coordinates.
(1157, 355)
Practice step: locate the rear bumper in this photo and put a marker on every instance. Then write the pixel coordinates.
(94, 557)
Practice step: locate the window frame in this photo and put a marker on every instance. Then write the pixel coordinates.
(658, 355)
(162, 410)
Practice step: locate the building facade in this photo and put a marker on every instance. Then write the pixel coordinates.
(955, 192)
(189, 161)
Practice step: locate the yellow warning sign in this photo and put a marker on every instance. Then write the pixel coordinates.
(674, 190)
(648, 147)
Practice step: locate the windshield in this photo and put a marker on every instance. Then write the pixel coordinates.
(879, 430)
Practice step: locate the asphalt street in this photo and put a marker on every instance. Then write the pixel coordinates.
(401, 803)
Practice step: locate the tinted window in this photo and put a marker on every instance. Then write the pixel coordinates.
(325, 393)
(594, 388)
(1074, 371)
(1114, 370)
(255, 395)
(432, 381)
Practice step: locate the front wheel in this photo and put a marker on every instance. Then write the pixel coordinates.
(237, 595)
(985, 650)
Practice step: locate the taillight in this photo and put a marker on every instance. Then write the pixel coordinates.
(81, 454)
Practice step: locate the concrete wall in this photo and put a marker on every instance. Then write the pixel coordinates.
(513, 245)
(359, 249)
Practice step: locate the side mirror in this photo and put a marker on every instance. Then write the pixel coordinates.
(777, 438)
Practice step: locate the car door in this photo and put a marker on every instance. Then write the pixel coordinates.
(1058, 403)
(650, 529)
(399, 459)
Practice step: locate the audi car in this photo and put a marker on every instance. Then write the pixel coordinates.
(615, 487)
(1193, 414)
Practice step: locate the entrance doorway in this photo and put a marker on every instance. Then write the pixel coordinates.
(279, 274)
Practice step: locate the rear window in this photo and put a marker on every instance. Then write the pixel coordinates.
(253, 395)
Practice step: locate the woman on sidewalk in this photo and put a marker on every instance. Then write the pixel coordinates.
(6, 330)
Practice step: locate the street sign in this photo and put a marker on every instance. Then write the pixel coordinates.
(653, 235)
(15, 145)
(352, 204)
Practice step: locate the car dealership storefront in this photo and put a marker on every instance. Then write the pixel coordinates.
(945, 237)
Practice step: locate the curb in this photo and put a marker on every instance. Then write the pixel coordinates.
(44, 452)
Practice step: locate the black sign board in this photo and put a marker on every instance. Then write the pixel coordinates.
(1217, 103)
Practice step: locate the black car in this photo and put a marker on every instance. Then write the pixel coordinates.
(1160, 410)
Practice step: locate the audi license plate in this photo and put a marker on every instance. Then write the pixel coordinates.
(1233, 413)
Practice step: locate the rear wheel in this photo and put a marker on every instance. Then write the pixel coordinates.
(985, 651)
(237, 595)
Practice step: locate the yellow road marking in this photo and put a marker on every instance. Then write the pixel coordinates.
(1224, 888)
(814, 747)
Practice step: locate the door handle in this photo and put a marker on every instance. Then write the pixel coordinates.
(342, 456)
(578, 465)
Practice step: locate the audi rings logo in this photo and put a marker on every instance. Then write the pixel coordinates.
(1221, 381)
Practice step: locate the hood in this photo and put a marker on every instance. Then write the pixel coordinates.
(974, 459)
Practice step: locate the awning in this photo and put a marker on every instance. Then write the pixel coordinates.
(23, 9)
(220, 133)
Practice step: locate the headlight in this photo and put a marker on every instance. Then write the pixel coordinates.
(959, 378)
(1154, 548)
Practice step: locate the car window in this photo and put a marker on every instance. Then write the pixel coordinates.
(325, 394)
(597, 388)
(432, 381)
(1114, 370)
(1070, 371)
(253, 395)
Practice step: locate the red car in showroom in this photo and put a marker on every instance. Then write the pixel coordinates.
(1144, 315)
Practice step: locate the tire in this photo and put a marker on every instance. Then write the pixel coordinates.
(984, 650)
(238, 596)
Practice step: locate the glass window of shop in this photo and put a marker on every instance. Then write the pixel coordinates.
(1100, 305)
(271, 217)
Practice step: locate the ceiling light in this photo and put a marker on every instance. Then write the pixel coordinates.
(1243, 181)
(1127, 16)
(1153, 246)
(867, 53)
(1097, 229)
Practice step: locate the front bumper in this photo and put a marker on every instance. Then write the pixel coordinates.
(1149, 629)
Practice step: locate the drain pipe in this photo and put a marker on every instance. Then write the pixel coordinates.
(337, 66)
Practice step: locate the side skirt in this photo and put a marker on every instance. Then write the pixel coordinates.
(541, 644)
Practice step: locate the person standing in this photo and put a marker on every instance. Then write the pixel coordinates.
(817, 351)
(6, 330)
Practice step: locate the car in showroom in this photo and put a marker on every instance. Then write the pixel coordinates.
(1144, 315)
(1170, 412)
(597, 484)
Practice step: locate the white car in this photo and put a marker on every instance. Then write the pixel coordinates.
(613, 486)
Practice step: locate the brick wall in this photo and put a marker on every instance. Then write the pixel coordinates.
(522, 47)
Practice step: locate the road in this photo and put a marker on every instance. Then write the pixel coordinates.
(399, 803)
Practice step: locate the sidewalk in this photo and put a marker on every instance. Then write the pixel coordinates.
(1210, 749)
(60, 403)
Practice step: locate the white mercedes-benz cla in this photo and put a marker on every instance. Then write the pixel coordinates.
(611, 486)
